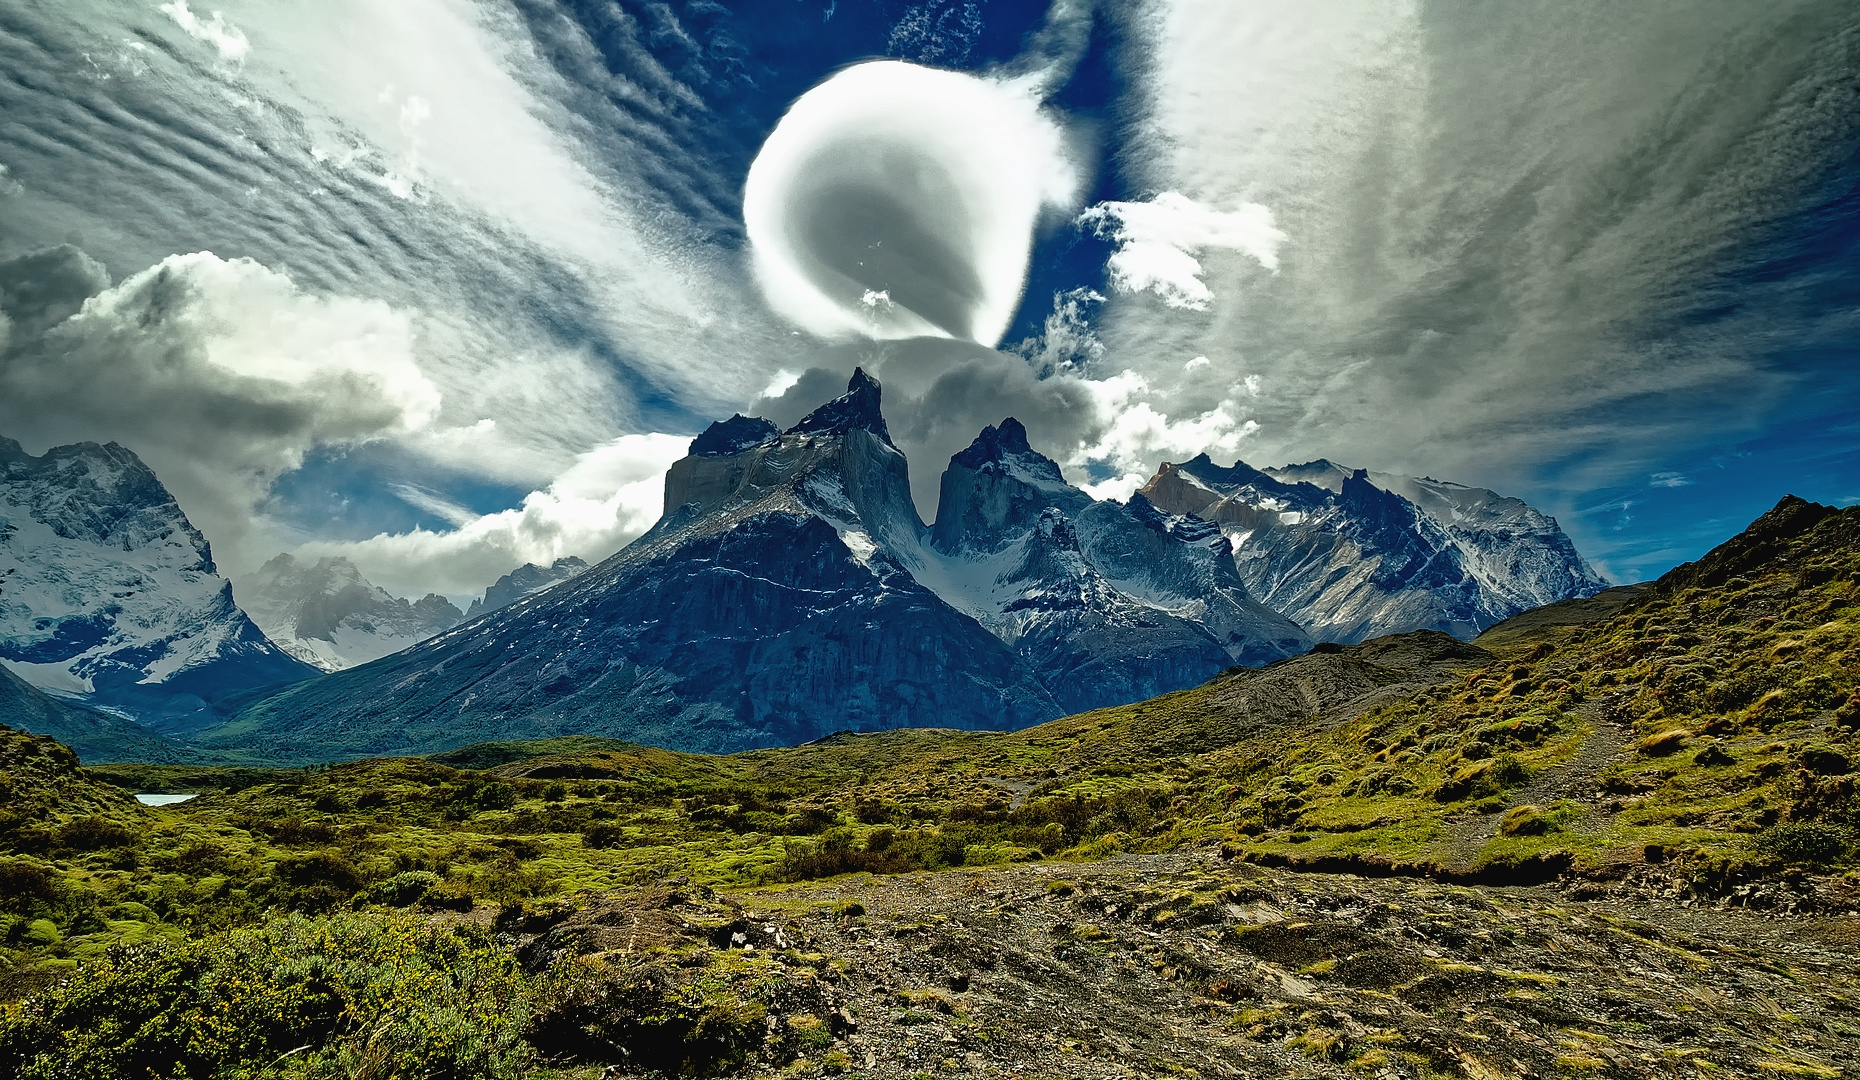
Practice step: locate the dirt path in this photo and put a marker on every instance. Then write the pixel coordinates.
(1608, 741)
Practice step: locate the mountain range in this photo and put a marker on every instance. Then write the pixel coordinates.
(329, 616)
(1352, 555)
(791, 590)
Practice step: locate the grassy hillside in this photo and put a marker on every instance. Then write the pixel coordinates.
(1696, 739)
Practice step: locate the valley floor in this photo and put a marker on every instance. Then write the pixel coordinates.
(1186, 964)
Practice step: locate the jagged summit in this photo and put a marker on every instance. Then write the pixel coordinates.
(1239, 474)
(1007, 445)
(855, 410)
(109, 594)
(789, 589)
(1351, 554)
(775, 601)
(1153, 600)
(98, 494)
(526, 580)
(733, 436)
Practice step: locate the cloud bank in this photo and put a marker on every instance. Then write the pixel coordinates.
(1543, 250)
(221, 374)
(610, 495)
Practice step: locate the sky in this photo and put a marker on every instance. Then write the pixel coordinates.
(442, 286)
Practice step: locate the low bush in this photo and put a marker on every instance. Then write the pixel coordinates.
(1810, 842)
(382, 996)
(643, 1016)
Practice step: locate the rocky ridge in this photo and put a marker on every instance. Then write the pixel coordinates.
(1109, 602)
(523, 581)
(764, 608)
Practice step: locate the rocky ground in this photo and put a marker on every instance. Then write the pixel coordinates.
(1187, 964)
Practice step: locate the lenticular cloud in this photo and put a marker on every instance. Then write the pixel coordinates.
(895, 201)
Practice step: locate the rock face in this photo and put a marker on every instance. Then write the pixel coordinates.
(109, 595)
(1109, 603)
(1351, 555)
(523, 581)
(329, 616)
(764, 608)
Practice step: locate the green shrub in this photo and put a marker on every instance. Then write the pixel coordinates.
(603, 835)
(403, 889)
(1482, 780)
(1811, 842)
(387, 997)
(22, 884)
(644, 1017)
(93, 833)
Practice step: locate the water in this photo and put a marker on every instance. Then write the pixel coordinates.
(163, 800)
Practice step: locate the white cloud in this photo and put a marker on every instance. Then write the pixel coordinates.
(433, 503)
(1197, 362)
(1157, 242)
(606, 498)
(1493, 267)
(222, 375)
(780, 382)
(1066, 341)
(895, 200)
(1134, 435)
(448, 106)
(217, 32)
(1117, 488)
(1669, 480)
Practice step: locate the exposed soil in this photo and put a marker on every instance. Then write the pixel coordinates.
(1185, 964)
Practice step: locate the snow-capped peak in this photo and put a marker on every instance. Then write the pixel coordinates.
(107, 592)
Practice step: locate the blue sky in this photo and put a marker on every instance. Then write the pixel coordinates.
(477, 266)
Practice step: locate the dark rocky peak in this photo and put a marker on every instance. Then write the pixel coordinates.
(1057, 528)
(855, 410)
(995, 490)
(434, 608)
(1004, 444)
(1416, 553)
(531, 578)
(1147, 512)
(1374, 506)
(733, 436)
(1322, 473)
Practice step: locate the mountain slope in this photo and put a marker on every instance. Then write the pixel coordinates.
(1349, 556)
(95, 735)
(108, 593)
(763, 608)
(328, 615)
